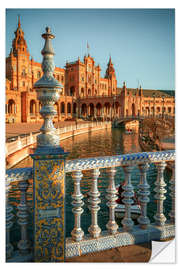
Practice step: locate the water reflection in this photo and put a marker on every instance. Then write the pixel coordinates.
(97, 143)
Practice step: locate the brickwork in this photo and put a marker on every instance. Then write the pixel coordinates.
(85, 93)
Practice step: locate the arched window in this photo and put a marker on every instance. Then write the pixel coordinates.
(89, 92)
(69, 107)
(11, 106)
(169, 109)
(62, 107)
(82, 92)
(84, 109)
(23, 72)
(32, 107)
(72, 91)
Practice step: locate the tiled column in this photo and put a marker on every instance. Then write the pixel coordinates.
(48, 166)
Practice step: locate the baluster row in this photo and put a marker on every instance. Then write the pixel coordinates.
(128, 194)
(22, 214)
(9, 222)
(24, 244)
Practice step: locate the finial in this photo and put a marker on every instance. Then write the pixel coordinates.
(124, 83)
(48, 91)
(109, 58)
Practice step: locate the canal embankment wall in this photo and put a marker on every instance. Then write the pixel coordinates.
(21, 148)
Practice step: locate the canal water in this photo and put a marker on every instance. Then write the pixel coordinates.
(98, 143)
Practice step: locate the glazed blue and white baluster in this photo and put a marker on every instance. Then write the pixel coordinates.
(172, 193)
(77, 233)
(128, 193)
(24, 243)
(160, 218)
(94, 200)
(9, 222)
(111, 196)
(143, 196)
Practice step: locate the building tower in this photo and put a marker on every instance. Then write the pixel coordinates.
(111, 76)
(18, 72)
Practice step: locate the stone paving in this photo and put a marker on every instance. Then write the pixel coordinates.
(133, 253)
(25, 128)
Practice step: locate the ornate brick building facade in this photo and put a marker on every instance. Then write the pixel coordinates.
(85, 93)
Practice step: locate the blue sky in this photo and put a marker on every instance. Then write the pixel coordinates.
(141, 42)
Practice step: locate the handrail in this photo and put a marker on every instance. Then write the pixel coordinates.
(119, 160)
(100, 162)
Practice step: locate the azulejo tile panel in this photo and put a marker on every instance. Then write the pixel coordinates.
(49, 210)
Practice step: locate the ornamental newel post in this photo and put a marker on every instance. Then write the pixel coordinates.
(48, 92)
(48, 166)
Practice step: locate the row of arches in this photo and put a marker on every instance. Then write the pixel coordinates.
(35, 107)
(157, 110)
(82, 92)
(90, 109)
(101, 110)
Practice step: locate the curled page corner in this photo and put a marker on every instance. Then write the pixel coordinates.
(163, 252)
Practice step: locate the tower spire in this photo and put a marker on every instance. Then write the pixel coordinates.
(19, 22)
(110, 62)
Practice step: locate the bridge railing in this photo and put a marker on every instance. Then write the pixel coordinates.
(127, 233)
(19, 142)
